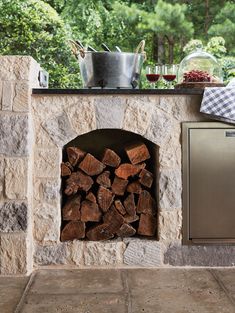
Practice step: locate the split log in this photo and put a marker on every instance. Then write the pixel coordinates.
(126, 230)
(137, 153)
(129, 204)
(75, 155)
(91, 197)
(111, 158)
(146, 178)
(100, 232)
(69, 166)
(91, 166)
(78, 180)
(131, 219)
(71, 209)
(134, 187)
(71, 189)
(126, 170)
(147, 225)
(73, 230)
(120, 207)
(90, 212)
(104, 180)
(113, 219)
(105, 198)
(65, 170)
(146, 203)
(119, 186)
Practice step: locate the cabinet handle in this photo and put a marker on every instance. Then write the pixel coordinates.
(230, 134)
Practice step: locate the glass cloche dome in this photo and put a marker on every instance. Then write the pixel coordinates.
(199, 67)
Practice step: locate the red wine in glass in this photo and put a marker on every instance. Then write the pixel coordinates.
(153, 74)
(169, 77)
(152, 78)
(169, 74)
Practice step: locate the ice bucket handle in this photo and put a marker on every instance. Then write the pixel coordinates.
(76, 49)
(140, 49)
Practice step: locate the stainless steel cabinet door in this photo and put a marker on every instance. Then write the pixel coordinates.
(211, 183)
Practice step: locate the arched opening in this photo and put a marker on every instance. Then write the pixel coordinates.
(128, 202)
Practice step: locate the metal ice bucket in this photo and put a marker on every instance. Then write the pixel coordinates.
(111, 69)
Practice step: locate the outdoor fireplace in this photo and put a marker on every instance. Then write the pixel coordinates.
(109, 188)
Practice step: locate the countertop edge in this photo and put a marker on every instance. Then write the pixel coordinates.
(45, 91)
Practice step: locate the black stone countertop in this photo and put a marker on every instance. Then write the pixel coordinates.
(45, 91)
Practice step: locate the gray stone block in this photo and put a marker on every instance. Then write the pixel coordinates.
(170, 189)
(13, 217)
(51, 254)
(160, 127)
(109, 112)
(14, 135)
(143, 253)
(178, 255)
(59, 129)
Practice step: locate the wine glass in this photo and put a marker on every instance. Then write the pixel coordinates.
(153, 74)
(169, 74)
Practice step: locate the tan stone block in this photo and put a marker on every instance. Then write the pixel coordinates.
(17, 67)
(170, 157)
(138, 114)
(47, 190)
(75, 252)
(47, 163)
(170, 152)
(34, 73)
(47, 220)
(2, 178)
(8, 94)
(59, 129)
(109, 111)
(81, 116)
(1, 94)
(170, 225)
(182, 107)
(22, 97)
(42, 139)
(13, 254)
(16, 181)
(160, 128)
(103, 253)
(45, 107)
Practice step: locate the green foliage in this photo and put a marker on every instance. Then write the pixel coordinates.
(192, 45)
(216, 46)
(42, 29)
(228, 66)
(32, 27)
(224, 25)
(202, 13)
(169, 19)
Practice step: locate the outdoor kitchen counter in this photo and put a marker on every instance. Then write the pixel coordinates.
(45, 91)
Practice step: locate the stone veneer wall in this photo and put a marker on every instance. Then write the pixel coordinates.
(33, 130)
(18, 75)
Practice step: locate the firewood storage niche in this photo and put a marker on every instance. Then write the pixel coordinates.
(109, 186)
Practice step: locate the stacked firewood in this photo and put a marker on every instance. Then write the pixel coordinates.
(107, 198)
